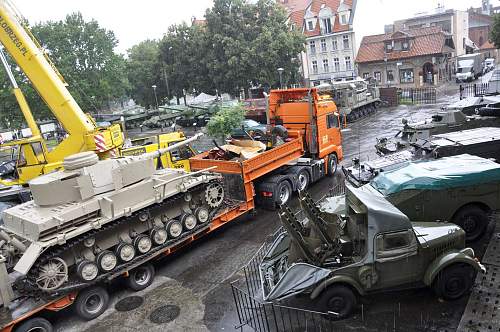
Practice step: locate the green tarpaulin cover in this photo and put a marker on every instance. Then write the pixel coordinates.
(449, 172)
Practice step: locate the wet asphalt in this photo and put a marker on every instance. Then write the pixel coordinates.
(195, 282)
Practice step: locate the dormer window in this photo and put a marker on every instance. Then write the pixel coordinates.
(310, 26)
(388, 47)
(327, 25)
(405, 45)
(343, 19)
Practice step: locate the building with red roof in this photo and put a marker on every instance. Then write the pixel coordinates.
(407, 58)
(330, 43)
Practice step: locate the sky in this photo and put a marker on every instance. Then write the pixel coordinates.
(134, 21)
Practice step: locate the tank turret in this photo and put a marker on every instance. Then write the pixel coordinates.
(93, 217)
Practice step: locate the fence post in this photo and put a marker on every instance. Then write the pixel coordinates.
(460, 89)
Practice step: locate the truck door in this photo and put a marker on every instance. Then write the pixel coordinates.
(179, 158)
(396, 258)
(333, 126)
(30, 160)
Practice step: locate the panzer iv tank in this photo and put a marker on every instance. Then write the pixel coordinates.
(94, 218)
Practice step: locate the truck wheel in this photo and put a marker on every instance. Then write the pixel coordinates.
(338, 299)
(35, 324)
(91, 302)
(332, 164)
(141, 277)
(303, 180)
(284, 192)
(473, 220)
(454, 281)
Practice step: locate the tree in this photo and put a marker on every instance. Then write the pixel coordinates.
(495, 31)
(144, 69)
(225, 120)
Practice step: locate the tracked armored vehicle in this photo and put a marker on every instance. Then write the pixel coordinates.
(97, 217)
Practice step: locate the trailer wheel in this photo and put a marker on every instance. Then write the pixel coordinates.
(339, 300)
(284, 192)
(141, 277)
(91, 302)
(473, 220)
(454, 281)
(303, 180)
(332, 164)
(35, 324)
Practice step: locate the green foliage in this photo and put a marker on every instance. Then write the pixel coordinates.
(495, 31)
(144, 69)
(225, 120)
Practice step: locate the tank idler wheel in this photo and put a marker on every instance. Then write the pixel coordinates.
(188, 221)
(38, 324)
(159, 236)
(106, 260)
(125, 251)
(141, 277)
(174, 229)
(91, 302)
(202, 214)
(87, 270)
(142, 243)
(52, 274)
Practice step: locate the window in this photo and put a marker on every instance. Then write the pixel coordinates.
(405, 46)
(377, 76)
(343, 19)
(336, 64)
(366, 75)
(388, 47)
(348, 64)
(181, 153)
(406, 75)
(396, 245)
(346, 41)
(315, 66)
(323, 45)
(390, 76)
(327, 25)
(325, 65)
(310, 26)
(334, 44)
(312, 46)
(316, 83)
(332, 121)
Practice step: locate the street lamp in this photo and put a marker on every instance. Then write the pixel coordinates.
(156, 98)
(386, 76)
(280, 71)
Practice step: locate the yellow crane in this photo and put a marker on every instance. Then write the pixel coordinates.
(33, 157)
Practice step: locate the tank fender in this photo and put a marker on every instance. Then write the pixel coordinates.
(338, 279)
(451, 257)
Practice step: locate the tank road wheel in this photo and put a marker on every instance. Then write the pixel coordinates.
(52, 274)
(141, 277)
(332, 164)
(188, 221)
(159, 236)
(125, 251)
(473, 220)
(91, 302)
(143, 216)
(174, 229)
(454, 281)
(338, 299)
(142, 243)
(214, 194)
(37, 324)
(106, 260)
(87, 270)
(202, 214)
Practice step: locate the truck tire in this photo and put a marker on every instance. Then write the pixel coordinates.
(35, 324)
(454, 281)
(91, 302)
(141, 277)
(338, 299)
(473, 220)
(332, 164)
(303, 179)
(283, 192)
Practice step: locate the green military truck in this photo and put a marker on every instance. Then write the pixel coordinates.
(370, 247)
(462, 189)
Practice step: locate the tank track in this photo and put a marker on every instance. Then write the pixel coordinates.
(28, 287)
(361, 112)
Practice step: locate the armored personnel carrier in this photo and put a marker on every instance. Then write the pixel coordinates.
(369, 247)
(96, 217)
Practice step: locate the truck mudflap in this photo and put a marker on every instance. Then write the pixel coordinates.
(465, 255)
(297, 278)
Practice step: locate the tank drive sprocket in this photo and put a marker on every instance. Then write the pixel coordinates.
(214, 194)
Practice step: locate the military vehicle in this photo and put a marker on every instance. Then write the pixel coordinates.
(443, 121)
(483, 142)
(161, 120)
(94, 218)
(370, 247)
(354, 98)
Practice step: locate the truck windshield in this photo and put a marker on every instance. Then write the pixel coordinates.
(464, 70)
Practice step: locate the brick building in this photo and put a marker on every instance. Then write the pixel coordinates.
(407, 58)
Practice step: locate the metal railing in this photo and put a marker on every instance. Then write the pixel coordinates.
(472, 90)
(417, 95)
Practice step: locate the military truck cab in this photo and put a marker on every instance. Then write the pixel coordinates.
(371, 247)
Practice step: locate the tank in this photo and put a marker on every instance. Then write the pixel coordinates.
(96, 217)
